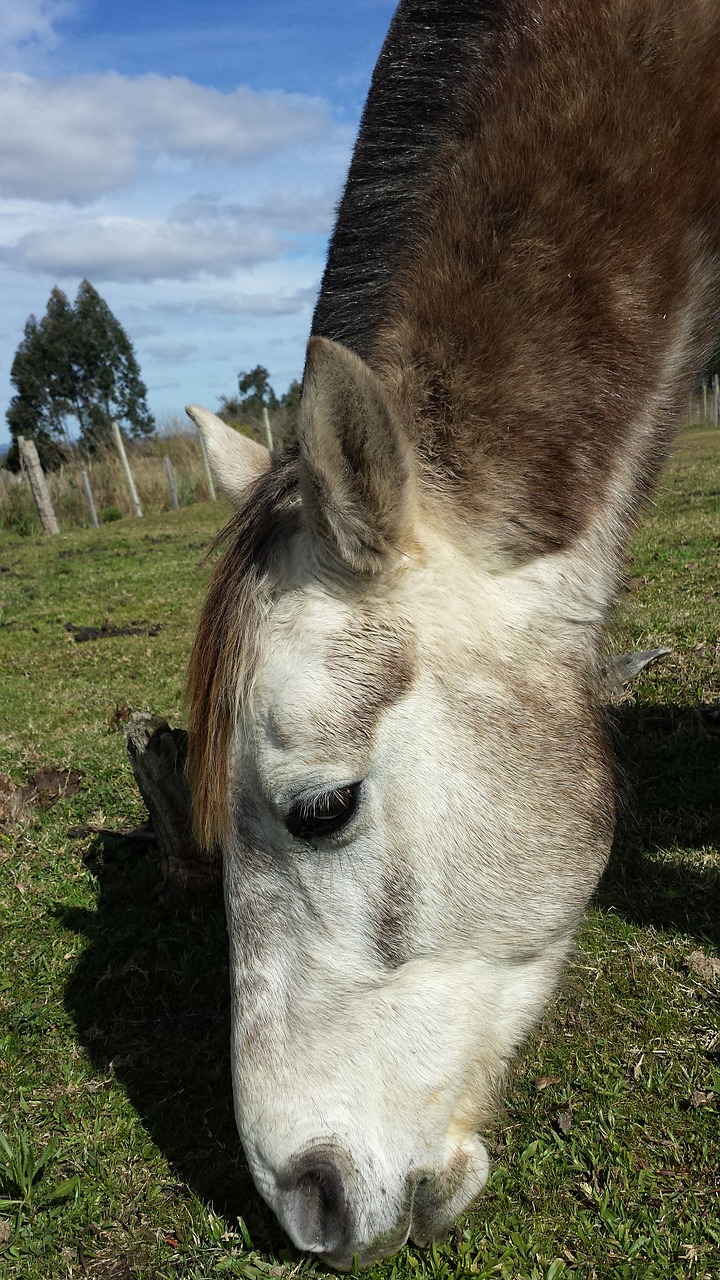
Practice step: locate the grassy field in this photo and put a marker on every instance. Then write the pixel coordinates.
(119, 1158)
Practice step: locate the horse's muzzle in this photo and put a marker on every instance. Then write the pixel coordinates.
(328, 1210)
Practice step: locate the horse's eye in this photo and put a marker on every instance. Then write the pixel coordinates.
(318, 816)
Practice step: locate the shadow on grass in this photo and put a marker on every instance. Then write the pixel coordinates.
(669, 782)
(150, 995)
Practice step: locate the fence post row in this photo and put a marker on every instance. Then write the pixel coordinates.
(126, 465)
(40, 492)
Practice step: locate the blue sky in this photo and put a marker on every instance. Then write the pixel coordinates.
(187, 159)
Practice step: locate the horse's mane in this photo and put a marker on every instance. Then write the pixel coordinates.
(432, 50)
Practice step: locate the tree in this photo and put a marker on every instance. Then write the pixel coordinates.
(29, 411)
(255, 394)
(110, 387)
(76, 362)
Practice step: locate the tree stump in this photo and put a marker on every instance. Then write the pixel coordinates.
(157, 756)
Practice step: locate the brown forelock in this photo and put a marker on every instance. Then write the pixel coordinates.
(567, 242)
(224, 653)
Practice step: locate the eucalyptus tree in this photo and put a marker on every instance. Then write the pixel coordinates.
(76, 362)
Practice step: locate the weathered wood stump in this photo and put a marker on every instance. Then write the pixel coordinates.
(157, 756)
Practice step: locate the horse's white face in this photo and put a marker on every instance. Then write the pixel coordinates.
(418, 811)
(385, 971)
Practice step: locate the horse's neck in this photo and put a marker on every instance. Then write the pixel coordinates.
(526, 251)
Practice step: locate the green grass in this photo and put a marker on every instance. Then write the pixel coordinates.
(119, 1155)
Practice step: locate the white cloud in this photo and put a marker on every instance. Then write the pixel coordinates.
(147, 330)
(29, 25)
(288, 208)
(77, 138)
(200, 213)
(279, 303)
(123, 249)
(202, 237)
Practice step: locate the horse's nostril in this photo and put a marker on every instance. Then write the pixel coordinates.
(313, 1206)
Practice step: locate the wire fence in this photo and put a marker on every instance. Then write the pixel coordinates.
(166, 473)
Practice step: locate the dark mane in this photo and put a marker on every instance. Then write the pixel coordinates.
(431, 51)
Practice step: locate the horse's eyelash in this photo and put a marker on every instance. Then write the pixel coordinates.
(323, 813)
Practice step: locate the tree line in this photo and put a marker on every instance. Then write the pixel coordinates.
(77, 366)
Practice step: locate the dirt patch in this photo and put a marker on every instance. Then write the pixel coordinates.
(81, 634)
(705, 967)
(49, 784)
(43, 788)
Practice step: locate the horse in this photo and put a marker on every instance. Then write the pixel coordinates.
(394, 736)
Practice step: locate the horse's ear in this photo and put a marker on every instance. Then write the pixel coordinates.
(235, 460)
(356, 463)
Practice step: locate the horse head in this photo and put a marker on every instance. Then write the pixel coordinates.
(396, 746)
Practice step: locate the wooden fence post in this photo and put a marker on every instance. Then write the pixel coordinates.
(90, 500)
(171, 482)
(716, 394)
(705, 417)
(38, 485)
(126, 465)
